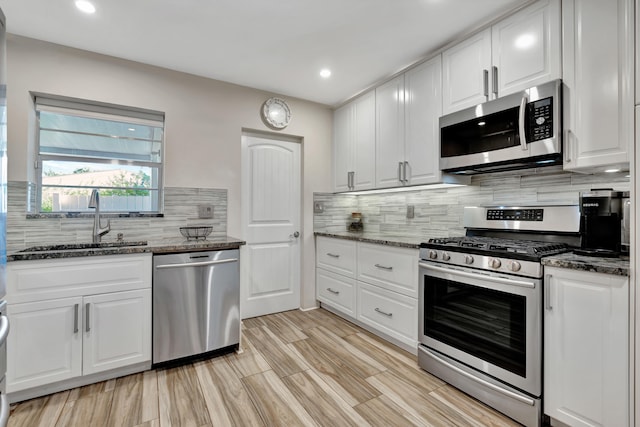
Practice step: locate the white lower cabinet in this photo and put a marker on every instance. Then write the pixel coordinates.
(394, 314)
(117, 330)
(45, 343)
(375, 286)
(65, 339)
(336, 290)
(586, 348)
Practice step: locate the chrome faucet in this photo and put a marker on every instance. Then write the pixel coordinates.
(98, 231)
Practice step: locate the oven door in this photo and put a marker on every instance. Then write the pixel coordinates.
(490, 322)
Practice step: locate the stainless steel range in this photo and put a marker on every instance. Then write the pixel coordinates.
(481, 303)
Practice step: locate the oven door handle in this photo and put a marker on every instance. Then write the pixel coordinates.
(477, 276)
(508, 393)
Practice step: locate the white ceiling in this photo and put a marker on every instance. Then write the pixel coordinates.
(278, 45)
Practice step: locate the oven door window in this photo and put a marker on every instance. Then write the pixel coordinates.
(485, 323)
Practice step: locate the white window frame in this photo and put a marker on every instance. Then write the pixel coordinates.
(99, 110)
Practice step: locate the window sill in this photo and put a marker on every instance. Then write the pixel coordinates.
(47, 215)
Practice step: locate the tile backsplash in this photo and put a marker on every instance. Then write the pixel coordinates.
(438, 213)
(180, 209)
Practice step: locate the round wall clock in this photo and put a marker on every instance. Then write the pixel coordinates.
(276, 113)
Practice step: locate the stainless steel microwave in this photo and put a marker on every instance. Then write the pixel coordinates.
(517, 131)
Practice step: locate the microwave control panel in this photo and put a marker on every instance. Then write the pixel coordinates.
(540, 119)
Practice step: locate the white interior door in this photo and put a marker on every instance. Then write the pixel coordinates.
(271, 223)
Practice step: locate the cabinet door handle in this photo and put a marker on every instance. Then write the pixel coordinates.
(383, 267)
(547, 292)
(352, 181)
(383, 312)
(404, 172)
(76, 314)
(87, 312)
(333, 291)
(400, 171)
(486, 83)
(494, 71)
(333, 255)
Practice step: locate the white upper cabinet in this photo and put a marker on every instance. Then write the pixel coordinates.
(354, 144)
(390, 133)
(342, 147)
(518, 52)
(465, 73)
(423, 108)
(526, 48)
(598, 76)
(407, 112)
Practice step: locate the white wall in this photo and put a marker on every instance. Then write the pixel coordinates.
(204, 123)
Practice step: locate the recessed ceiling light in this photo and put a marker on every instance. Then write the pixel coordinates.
(85, 6)
(325, 73)
(612, 170)
(131, 129)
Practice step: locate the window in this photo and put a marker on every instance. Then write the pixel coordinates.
(84, 146)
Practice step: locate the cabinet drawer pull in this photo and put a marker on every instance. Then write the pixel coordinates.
(383, 267)
(333, 291)
(87, 312)
(333, 255)
(76, 311)
(383, 312)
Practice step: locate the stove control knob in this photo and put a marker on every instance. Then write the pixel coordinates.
(514, 266)
(468, 259)
(446, 256)
(495, 263)
(433, 254)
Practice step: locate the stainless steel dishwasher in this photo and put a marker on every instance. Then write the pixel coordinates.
(196, 303)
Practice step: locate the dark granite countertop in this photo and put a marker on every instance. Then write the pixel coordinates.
(615, 266)
(377, 238)
(160, 246)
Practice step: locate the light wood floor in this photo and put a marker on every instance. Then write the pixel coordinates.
(297, 368)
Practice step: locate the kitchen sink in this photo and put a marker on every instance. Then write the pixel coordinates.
(88, 245)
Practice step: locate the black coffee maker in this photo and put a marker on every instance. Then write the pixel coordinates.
(600, 222)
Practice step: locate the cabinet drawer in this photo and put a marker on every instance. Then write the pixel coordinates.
(336, 255)
(392, 268)
(29, 281)
(389, 312)
(336, 290)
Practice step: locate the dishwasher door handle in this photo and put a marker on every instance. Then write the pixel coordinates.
(197, 264)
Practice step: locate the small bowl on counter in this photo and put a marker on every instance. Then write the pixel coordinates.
(196, 232)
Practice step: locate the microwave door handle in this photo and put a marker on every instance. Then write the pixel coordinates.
(522, 130)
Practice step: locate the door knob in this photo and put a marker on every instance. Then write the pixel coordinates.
(296, 234)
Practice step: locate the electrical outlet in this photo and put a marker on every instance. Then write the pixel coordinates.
(205, 211)
(410, 211)
(318, 207)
